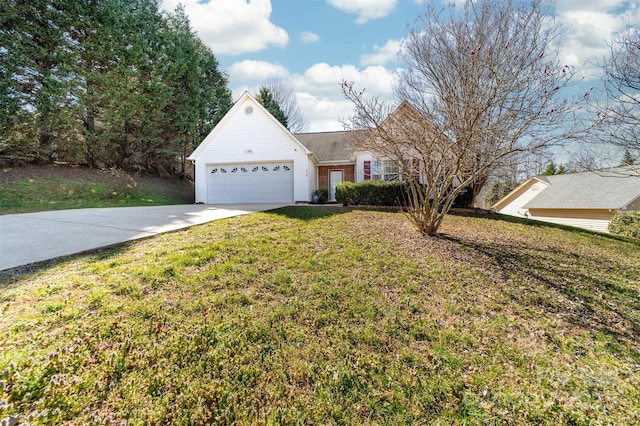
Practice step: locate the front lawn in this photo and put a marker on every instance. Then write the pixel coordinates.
(330, 316)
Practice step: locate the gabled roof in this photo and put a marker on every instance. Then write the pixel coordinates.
(246, 96)
(338, 147)
(603, 189)
(329, 147)
(517, 192)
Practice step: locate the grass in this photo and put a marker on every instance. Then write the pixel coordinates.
(330, 316)
(39, 194)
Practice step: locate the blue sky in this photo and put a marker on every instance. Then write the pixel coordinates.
(315, 44)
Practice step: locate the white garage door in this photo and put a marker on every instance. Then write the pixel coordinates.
(250, 183)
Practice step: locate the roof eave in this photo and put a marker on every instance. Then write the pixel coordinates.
(610, 208)
(507, 198)
(336, 163)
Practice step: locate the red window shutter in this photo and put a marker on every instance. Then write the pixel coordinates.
(367, 170)
(415, 163)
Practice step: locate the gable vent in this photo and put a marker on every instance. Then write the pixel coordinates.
(248, 110)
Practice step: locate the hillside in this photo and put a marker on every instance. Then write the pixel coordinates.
(54, 187)
(330, 316)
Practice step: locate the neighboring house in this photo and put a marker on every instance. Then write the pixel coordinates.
(250, 157)
(586, 200)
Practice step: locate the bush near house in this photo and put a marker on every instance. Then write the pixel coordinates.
(384, 193)
(626, 224)
(322, 194)
(371, 193)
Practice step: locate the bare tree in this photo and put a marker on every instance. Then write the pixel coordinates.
(285, 96)
(484, 85)
(619, 119)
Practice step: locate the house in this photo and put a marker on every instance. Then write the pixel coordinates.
(586, 200)
(250, 157)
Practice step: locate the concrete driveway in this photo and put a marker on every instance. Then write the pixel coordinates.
(34, 237)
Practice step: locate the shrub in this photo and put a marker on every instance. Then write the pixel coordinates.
(372, 193)
(464, 199)
(322, 194)
(626, 224)
(385, 193)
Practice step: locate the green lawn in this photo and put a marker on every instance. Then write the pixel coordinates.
(330, 316)
(38, 194)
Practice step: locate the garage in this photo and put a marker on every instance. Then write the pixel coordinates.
(250, 157)
(250, 183)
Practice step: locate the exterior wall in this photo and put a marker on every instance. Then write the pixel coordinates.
(323, 174)
(592, 219)
(525, 194)
(634, 206)
(252, 138)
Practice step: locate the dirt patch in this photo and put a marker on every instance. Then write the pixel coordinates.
(178, 188)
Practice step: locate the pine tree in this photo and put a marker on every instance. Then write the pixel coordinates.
(36, 72)
(550, 170)
(627, 158)
(265, 97)
(199, 94)
(113, 82)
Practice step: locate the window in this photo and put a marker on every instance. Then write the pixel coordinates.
(386, 170)
(392, 170)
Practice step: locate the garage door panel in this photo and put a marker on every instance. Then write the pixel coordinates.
(250, 183)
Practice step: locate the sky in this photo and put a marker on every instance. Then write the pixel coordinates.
(313, 45)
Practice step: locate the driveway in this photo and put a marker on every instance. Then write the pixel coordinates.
(34, 237)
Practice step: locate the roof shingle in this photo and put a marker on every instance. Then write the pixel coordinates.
(604, 189)
(329, 146)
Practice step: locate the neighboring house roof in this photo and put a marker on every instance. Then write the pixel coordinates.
(604, 189)
(329, 147)
(522, 188)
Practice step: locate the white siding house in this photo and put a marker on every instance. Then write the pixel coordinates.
(586, 200)
(249, 157)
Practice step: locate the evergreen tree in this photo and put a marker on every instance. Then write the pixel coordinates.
(550, 170)
(499, 190)
(265, 97)
(200, 97)
(286, 98)
(627, 158)
(36, 70)
(113, 82)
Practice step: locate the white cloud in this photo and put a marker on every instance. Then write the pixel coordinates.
(383, 54)
(308, 37)
(233, 27)
(365, 9)
(590, 26)
(252, 71)
(325, 79)
(318, 88)
(324, 113)
(320, 96)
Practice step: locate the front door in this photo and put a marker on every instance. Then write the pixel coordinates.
(335, 177)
